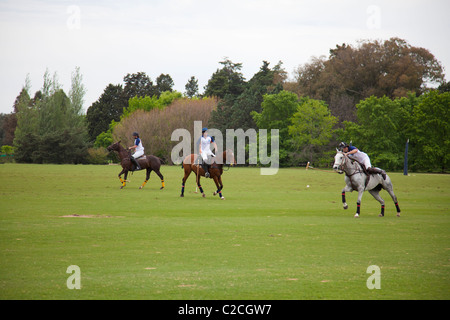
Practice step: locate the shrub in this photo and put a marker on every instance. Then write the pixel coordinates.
(97, 156)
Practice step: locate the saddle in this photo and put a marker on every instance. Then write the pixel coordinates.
(206, 165)
(135, 164)
(366, 173)
(370, 171)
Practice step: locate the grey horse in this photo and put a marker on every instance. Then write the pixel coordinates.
(356, 179)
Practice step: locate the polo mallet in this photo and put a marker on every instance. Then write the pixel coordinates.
(309, 166)
(198, 166)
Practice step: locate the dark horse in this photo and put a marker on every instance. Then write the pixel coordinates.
(146, 162)
(192, 164)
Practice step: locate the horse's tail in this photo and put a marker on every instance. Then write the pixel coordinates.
(161, 160)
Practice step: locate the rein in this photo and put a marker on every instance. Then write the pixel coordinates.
(221, 166)
(344, 166)
(359, 169)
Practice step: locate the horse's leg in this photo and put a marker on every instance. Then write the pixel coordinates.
(394, 198)
(149, 170)
(200, 187)
(219, 186)
(358, 202)
(187, 172)
(376, 194)
(346, 189)
(120, 178)
(161, 177)
(124, 182)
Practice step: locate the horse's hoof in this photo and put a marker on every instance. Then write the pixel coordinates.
(345, 206)
(140, 187)
(181, 195)
(214, 193)
(204, 195)
(356, 216)
(223, 198)
(381, 215)
(121, 187)
(161, 188)
(398, 214)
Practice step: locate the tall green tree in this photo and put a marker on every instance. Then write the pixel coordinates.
(277, 111)
(226, 81)
(109, 107)
(235, 111)
(77, 92)
(51, 129)
(312, 129)
(191, 87)
(263, 82)
(164, 83)
(138, 85)
(25, 139)
(430, 135)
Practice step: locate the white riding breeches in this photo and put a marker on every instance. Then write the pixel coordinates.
(206, 153)
(138, 154)
(361, 157)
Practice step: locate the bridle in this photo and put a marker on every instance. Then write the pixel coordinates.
(340, 168)
(343, 166)
(228, 165)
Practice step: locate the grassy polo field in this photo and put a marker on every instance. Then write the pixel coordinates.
(272, 238)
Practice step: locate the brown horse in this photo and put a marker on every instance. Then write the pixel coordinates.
(192, 164)
(151, 163)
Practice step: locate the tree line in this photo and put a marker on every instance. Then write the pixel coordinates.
(377, 95)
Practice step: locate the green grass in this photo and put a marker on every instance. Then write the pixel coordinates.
(272, 238)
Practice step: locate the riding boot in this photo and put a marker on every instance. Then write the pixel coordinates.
(205, 167)
(136, 163)
(378, 171)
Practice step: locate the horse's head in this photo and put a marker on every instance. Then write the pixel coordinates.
(339, 160)
(114, 147)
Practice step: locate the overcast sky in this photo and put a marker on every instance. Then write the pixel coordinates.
(108, 39)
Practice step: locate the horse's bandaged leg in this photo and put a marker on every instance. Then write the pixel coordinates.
(143, 185)
(124, 182)
(344, 203)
